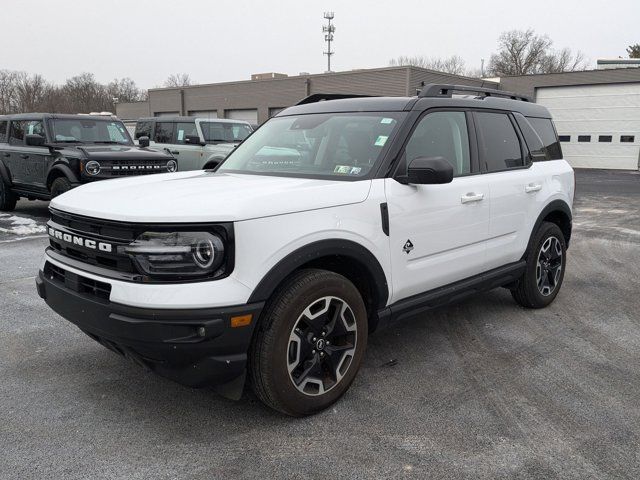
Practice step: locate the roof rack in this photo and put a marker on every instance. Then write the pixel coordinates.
(319, 97)
(445, 90)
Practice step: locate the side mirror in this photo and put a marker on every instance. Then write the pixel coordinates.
(143, 142)
(33, 140)
(429, 171)
(193, 140)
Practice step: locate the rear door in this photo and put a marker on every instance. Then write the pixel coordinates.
(513, 185)
(190, 154)
(437, 233)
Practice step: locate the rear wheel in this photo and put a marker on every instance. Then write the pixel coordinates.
(59, 186)
(310, 343)
(8, 199)
(544, 273)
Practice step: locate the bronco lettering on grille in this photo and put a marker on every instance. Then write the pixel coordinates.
(83, 242)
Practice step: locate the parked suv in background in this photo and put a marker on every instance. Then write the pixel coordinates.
(330, 217)
(199, 142)
(43, 155)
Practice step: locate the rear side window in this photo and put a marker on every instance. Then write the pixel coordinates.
(164, 132)
(499, 143)
(547, 133)
(16, 135)
(143, 129)
(3, 131)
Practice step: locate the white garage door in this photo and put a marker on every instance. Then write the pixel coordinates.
(250, 116)
(204, 113)
(599, 125)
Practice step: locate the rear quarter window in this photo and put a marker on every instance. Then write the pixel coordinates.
(3, 131)
(143, 129)
(547, 133)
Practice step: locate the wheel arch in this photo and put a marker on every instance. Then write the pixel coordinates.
(344, 257)
(4, 174)
(61, 170)
(558, 212)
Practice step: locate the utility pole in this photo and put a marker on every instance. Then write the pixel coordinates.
(328, 30)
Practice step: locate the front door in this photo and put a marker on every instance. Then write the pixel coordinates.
(190, 154)
(438, 233)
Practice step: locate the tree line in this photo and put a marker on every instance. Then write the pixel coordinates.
(22, 92)
(520, 52)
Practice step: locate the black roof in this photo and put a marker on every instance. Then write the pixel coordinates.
(37, 116)
(399, 104)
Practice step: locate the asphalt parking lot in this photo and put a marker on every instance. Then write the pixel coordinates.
(484, 389)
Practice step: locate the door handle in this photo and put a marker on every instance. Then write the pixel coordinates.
(175, 152)
(472, 197)
(533, 187)
(24, 156)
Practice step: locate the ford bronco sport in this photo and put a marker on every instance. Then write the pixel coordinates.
(332, 216)
(43, 155)
(199, 142)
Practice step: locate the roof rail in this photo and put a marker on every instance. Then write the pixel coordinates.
(319, 97)
(446, 90)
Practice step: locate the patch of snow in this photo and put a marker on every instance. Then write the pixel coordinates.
(22, 226)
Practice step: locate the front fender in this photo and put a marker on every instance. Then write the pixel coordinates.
(62, 168)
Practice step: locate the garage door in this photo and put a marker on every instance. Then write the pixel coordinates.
(204, 113)
(599, 125)
(250, 116)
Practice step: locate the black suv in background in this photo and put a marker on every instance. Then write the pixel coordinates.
(43, 155)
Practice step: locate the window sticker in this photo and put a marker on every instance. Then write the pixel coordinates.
(342, 169)
(381, 140)
(355, 170)
(180, 135)
(386, 120)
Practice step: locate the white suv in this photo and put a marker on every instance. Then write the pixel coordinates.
(332, 216)
(195, 142)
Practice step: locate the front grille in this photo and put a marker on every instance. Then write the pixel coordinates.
(113, 233)
(120, 168)
(77, 283)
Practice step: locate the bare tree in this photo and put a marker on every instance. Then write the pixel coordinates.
(30, 93)
(634, 51)
(7, 91)
(453, 64)
(83, 94)
(178, 80)
(523, 52)
(125, 90)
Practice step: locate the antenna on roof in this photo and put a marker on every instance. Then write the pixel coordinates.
(328, 29)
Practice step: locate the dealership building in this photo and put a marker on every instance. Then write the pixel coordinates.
(597, 112)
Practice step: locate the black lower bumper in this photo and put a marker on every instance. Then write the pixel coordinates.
(194, 347)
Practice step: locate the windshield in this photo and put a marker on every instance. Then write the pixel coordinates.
(89, 130)
(340, 145)
(225, 132)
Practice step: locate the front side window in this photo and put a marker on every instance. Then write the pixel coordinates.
(164, 132)
(143, 129)
(35, 127)
(89, 130)
(184, 130)
(16, 136)
(3, 131)
(224, 132)
(442, 134)
(499, 143)
(345, 146)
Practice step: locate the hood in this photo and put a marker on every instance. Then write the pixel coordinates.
(118, 152)
(200, 196)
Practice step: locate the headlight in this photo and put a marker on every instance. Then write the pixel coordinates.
(172, 166)
(178, 254)
(92, 167)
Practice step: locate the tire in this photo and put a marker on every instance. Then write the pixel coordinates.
(8, 199)
(289, 342)
(59, 186)
(541, 281)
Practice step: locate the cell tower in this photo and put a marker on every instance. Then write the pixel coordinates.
(328, 30)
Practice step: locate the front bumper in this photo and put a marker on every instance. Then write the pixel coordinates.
(194, 347)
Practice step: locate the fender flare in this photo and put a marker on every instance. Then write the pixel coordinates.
(65, 170)
(4, 174)
(319, 249)
(554, 206)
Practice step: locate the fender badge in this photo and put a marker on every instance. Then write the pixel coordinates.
(408, 246)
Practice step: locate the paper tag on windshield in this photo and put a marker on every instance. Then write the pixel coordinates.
(381, 140)
(386, 120)
(341, 169)
(180, 135)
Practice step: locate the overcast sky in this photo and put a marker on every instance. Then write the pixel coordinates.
(226, 40)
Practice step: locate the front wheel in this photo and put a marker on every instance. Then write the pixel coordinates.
(8, 199)
(59, 186)
(544, 273)
(310, 343)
